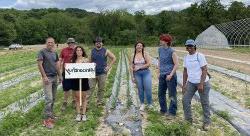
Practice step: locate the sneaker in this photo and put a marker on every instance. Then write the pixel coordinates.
(84, 117)
(170, 116)
(162, 113)
(150, 107)
(78, 117)
(99, 103)
(205, 127)
(142, 107)
(54, 117)
(63, 108)
(189, 121)
(73, 104)
(48, 123)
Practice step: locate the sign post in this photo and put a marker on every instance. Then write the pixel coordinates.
(79, 71)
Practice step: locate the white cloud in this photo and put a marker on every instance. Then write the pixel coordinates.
(150, 6)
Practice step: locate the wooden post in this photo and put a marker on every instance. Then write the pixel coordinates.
(80, 89)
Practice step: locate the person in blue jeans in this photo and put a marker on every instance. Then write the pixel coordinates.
(140, 64)
(168, 64)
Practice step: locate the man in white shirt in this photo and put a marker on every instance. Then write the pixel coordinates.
(195, 78)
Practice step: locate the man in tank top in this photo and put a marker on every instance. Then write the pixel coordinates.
(99, 56)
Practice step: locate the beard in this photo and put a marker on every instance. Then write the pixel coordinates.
(98, 46)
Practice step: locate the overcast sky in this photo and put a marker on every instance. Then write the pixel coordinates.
(150, 6)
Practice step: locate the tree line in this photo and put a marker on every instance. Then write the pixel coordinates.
(117, 27)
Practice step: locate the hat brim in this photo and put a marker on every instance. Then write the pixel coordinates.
(190, 45)
(71, 42)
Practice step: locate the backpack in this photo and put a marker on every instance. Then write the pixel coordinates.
(209, 75)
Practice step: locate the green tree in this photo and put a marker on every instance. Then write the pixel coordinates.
(7, 33)
(213, 11)
(61, 26)
(237, 11)
(31, 31)
(150, 25)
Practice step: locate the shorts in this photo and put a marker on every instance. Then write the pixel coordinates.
(85, 84)
(67, 83)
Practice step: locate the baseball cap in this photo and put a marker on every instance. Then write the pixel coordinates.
(71, 40)
(98, 39)
(190, 43)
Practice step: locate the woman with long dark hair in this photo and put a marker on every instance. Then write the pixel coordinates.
(140, 64)
(80, 56)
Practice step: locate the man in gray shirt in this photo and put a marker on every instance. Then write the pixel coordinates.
(48, 65)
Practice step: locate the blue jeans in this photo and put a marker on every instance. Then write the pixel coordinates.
(171, 86)
(144, 83)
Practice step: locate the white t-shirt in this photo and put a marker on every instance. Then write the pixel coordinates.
(193, 63)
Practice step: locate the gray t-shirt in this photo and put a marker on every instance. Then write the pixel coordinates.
(49, 59)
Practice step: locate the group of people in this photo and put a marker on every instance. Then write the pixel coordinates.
(52, 67)
(195, 77)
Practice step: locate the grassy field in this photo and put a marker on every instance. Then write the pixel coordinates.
(30, 123)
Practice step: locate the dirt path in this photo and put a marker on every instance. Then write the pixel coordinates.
(122, 114)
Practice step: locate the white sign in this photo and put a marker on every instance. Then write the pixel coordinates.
(79, 70)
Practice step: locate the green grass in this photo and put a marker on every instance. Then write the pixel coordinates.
(12, 124)
(14, 65)
(13, 57)
(18, 91)
(19, 73)
(158, 127)
(13, 60)
(247, 103)
(245, 50)
(23, 68)
(224, 114)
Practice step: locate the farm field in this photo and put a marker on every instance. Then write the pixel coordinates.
(121, 103)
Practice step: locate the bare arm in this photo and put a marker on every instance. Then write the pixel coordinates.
(112, 57)
(59, 73)
(41, 69)
(204, 74)
(185, 76)
(203, 78)
(158, 67)
(176, 63)
(60, 63)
